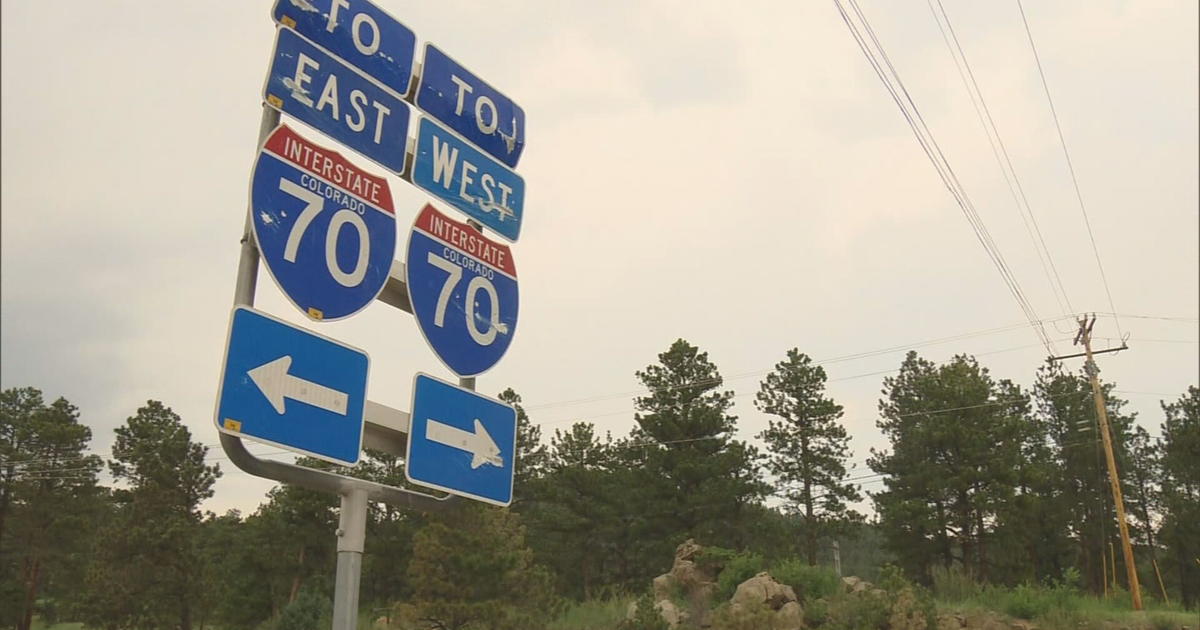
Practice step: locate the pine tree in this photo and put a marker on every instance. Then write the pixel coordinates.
(1181, 491)
(808, 447)
(1141, 488)
(1066, 405)
(1033, 534)
(955, 446)
(531, 453)
(48, 495)
(471, 568)
(702, 477)
(152, 549)
(582, 504)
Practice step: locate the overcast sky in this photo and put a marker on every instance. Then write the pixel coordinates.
(736, 177)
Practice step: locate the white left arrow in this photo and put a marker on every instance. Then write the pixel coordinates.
(275, 383)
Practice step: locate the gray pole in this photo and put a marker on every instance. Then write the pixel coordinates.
(837, 558)
(247, 273)
(352, 532)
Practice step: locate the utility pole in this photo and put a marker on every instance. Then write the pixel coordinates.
(1085, 337)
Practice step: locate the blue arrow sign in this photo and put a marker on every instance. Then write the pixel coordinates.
(324, 92)
(358, 32)
(286, 386)
(326, 229)
(461, 442)
(463, 291)
(452, 170)
(455, 96)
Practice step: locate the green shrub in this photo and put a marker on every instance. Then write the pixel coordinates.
(1160, 621)
(307, 612)
(646, 617)
(749, 618)
(1027, 602)
(738, 568)
(1063, 620)
(712, 560)
(910, 605)
(809, 582)
(953, 584)
(816, 613)
(593, 614)
(856, 612)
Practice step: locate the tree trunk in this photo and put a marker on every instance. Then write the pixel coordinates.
(185, 614)
(810, 529)
(943, 537)
(5, 491)
(982, 571)
(33, 567)
(296, 579)
(585, 571)
(965, 525)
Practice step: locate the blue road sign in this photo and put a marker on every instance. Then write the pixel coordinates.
(452, 170)
(324, 92)
(463, 291)
(461, 442)
(286, 386)
(478, 111)
(359, 32)
(326, 229)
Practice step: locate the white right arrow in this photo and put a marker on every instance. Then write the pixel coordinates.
(480, 445)
(275, 383)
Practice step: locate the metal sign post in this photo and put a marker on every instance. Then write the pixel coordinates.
(346, 68)
(381, 430)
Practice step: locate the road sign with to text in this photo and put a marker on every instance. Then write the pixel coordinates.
(470, 106)
(308, 83)
(358, 32)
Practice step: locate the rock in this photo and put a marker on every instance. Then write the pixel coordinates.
(951, 622)
(688, 550)
(763, 589)
(670, 613)
(686, 579)
(852, 584)
(688, 575)
(661, 587)
(790, 617)
(1022, 625)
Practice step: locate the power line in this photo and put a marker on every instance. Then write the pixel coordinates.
(752, 393)
(990, 129)
(1182, 319)
(878, 58)
(80, 473)
(759, 372)
(1070, 167)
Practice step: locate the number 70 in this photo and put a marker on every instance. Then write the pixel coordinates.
(477, 284)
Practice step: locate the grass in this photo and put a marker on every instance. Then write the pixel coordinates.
(1061, 608)
(593, 614)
